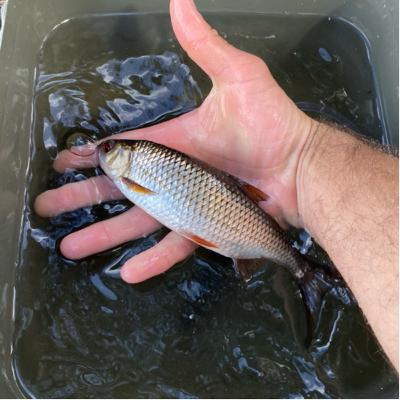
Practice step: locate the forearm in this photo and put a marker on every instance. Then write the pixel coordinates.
(348, 200)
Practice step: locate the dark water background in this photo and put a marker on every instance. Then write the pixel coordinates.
(195, 331)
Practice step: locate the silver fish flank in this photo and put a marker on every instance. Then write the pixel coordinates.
(197, 201)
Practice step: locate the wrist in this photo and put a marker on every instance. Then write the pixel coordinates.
(280, 182)
(326, 178)
(325, 149)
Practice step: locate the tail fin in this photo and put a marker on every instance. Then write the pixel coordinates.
(313, 287)
(314, 284)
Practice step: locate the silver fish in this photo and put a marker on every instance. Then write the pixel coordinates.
(201, 203)
(204, 205)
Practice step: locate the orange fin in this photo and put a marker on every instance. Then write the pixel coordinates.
(135, 186)
(200, 241)
(254, 193)
(247, 268)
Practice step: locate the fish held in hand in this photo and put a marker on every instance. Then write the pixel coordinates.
(197, 201)
(207, 206)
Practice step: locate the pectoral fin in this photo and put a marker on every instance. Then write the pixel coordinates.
(135, 187)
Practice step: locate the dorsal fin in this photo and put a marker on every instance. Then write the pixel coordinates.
(254, 193)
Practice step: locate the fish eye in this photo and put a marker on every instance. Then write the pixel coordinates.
(107, 146)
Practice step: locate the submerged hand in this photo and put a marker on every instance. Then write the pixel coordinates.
(247, 126)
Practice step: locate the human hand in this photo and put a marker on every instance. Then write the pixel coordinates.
(247, 126)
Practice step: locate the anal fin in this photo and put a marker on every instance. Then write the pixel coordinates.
(248, 267)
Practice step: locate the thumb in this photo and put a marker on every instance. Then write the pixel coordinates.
(220, 61)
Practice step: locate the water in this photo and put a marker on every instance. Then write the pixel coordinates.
(195, 331)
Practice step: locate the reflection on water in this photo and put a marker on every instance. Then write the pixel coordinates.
(195, 331)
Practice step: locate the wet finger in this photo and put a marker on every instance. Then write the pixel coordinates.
(104, 235)
(172, 249)
(68, 160)
(178, 133)
(76, 195)
(200, 41)
(187, 135)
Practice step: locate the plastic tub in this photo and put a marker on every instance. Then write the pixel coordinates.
(27, 30)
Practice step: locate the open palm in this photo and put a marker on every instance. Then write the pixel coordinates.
(247, 126)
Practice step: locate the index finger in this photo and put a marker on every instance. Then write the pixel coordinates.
(180, 133)
(68, 160)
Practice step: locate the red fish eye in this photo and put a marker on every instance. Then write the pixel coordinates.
(107, 146)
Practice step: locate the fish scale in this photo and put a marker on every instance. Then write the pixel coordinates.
(197, 201)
